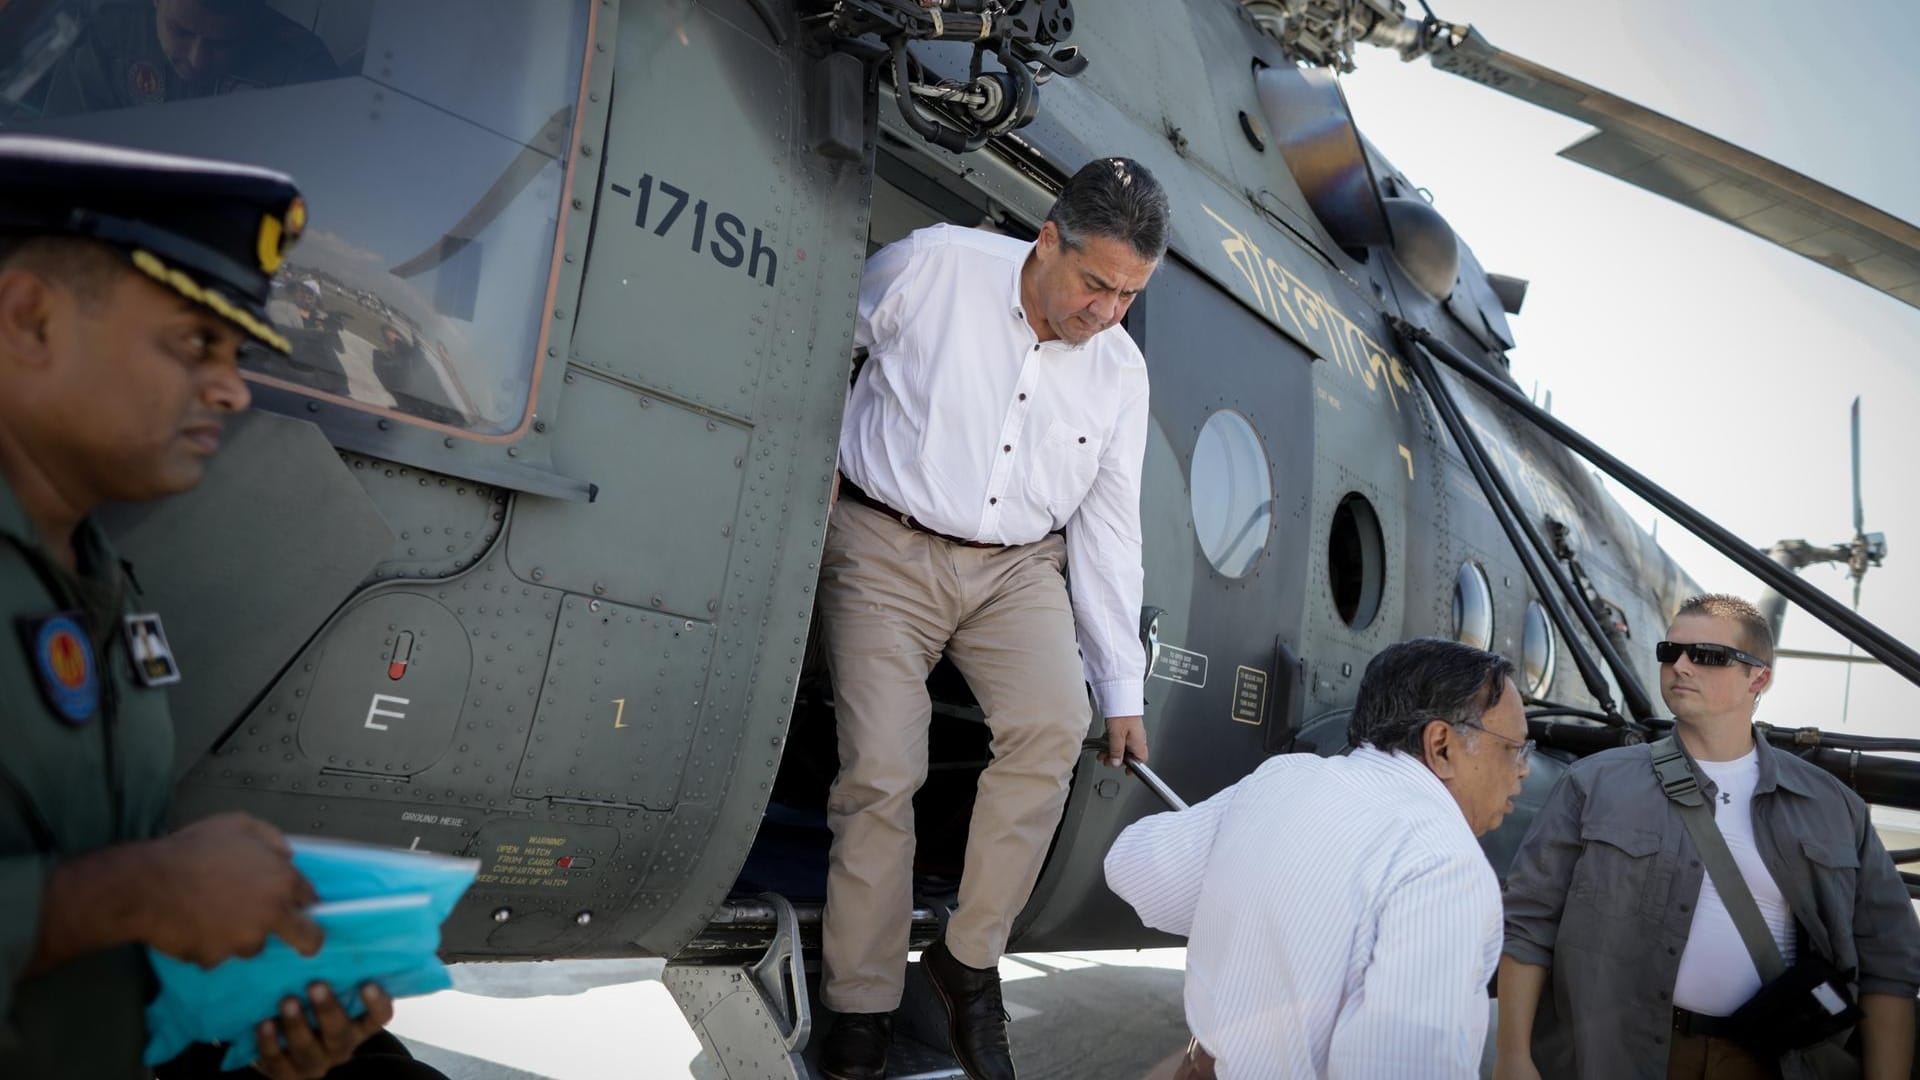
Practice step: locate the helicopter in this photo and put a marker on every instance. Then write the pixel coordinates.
(515, 556)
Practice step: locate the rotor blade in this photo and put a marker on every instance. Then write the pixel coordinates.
(1846, 696)
(1859, 515)
(1708, 174)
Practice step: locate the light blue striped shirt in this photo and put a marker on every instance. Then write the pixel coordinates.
(1341, 919)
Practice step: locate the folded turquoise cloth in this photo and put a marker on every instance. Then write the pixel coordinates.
(381, 910)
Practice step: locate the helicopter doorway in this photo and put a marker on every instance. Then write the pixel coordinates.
(789, 856)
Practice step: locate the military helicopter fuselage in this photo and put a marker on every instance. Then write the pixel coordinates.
(515, 557)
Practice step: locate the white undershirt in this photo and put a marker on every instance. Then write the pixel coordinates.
(1717, 974)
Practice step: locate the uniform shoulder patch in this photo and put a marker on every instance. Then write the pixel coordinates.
(145, 84)
(64, 664)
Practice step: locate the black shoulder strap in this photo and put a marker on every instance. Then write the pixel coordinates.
(1675, 775)
(1676, 778)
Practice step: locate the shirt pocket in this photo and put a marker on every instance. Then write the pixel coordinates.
(1617, 876)
(1064, 463)
(1836, 877)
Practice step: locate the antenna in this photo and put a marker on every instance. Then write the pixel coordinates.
(1856, 568)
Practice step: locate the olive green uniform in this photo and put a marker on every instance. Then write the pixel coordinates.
(67, 789)
(87, 758)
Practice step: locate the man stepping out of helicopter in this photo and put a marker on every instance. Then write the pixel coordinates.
(995, 434)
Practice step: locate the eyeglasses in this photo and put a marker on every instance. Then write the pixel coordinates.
(1704, 654)
(1521, 749)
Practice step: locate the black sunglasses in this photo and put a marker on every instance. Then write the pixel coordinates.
(1705, 654)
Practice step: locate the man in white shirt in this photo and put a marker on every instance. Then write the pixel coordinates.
(1001, 405)
(1341, 920)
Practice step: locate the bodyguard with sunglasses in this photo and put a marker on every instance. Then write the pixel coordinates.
(1623, 958)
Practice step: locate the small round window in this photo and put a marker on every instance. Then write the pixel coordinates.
(1232, 493)
(1356, 561)
(1472, 607)
(1538, 651)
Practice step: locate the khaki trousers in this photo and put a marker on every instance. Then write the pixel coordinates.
(893, 599)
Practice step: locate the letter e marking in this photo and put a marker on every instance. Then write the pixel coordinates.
(374, 710)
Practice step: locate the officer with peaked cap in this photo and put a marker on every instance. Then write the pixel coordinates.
(128, 284)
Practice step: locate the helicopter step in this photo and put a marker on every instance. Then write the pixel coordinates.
(747, 927)
(758, 1019)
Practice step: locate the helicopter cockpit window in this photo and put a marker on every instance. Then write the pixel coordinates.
(1538, 651)
(1472, 607)
(1232, 493)
(428, 136)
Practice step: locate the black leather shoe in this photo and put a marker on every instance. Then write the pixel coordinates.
(976, 1018)
(856, 1048)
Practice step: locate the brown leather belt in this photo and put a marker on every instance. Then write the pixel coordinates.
(851, 490)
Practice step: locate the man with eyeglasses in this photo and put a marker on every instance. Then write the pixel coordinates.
(1608, 899)
(1341, 918)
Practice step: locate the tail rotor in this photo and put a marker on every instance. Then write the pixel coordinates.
(1861, 553)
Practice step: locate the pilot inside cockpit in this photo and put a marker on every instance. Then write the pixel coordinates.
(144, 52)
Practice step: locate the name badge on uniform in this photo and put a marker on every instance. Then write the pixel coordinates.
(64, 664)
(153, 662)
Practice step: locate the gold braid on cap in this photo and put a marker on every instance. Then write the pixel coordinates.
(276, 235)
(149, 264)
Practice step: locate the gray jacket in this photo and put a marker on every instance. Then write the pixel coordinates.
(1603, 888)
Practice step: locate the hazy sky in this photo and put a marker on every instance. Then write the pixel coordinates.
(1717, 364)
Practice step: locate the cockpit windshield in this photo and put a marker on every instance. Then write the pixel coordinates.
(429, 137)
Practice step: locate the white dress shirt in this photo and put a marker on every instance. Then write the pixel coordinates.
(963, 419)
(1341, 919)
(1717, 974)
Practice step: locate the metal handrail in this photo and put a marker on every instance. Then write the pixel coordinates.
(1535, 557)
(1889, 649)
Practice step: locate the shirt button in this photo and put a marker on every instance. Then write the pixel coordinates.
(1695, 864)
(1663, 995)
(1036, 348)
(1023, 397)
(1658, 1039)
(993, 502)
(1007, 448)
(1684, 908)
(1671, 950)
(1083, 438)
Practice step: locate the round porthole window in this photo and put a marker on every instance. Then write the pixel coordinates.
(1472, 607)
(1232, 489)
(1538, 651)
(1356, 561)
